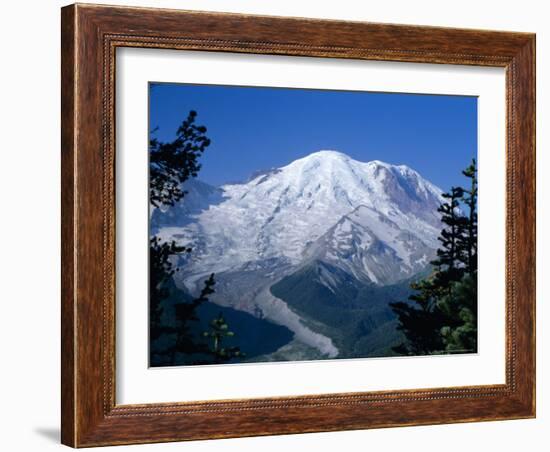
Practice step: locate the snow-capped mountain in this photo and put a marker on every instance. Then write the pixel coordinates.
(368, 245)
(378, 221)
(199, 196)
(324, 219)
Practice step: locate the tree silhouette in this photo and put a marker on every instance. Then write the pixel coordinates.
(468, 242)
(450, 254)
(161, 271)
(185, 314)
(219, 330)
(421, 320)
(460, 303)
(460, 309)
(172, 163)
(441, 314)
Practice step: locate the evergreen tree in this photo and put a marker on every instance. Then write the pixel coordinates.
(460, 308)
(441, 316)
(460, 304)
(161, 271)
(172, 163)
(219, 330)
(420, 320)
(185, 313)
(450, 254)
(468, 244)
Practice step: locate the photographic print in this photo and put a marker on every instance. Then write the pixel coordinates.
(294, 224)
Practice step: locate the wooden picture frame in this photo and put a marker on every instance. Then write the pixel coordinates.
(90, 36)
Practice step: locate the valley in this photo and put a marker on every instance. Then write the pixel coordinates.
(320, 247)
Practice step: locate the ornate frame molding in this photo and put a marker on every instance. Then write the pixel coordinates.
(90, 36)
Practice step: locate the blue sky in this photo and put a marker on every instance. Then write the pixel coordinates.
(261, 128)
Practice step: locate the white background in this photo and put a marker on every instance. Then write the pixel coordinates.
(138, 384)
(29, 103)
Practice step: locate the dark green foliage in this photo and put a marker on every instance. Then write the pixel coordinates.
(459, 305)
(441, 316)
(161, 271)
(172, 163)
(420, 321)
(218, 332)
(257, 337)
(468, 242)
(185, 314)
(450, 254)
(460, 310)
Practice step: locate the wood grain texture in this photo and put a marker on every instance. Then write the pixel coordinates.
(90, 36)
(67, 226)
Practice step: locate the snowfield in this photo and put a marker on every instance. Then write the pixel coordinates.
(375, 221)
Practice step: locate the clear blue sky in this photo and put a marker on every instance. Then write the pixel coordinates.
(261, 128)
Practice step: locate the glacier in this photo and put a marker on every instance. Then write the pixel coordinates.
(375, 221)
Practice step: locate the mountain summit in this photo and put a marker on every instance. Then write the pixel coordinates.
(313, 208)
(325, 222)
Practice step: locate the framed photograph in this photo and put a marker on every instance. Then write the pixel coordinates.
(281, 225)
